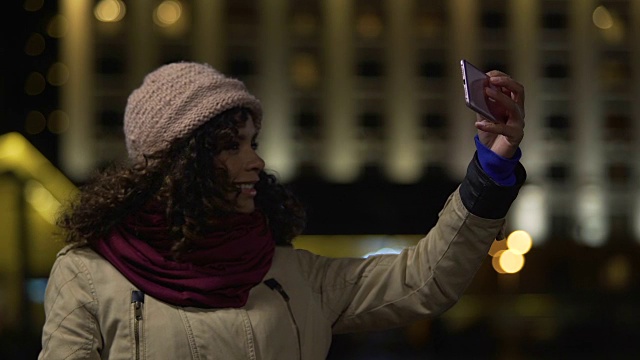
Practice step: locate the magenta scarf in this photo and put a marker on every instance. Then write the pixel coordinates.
(218, 271)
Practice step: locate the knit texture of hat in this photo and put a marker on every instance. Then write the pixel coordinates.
(176, 99)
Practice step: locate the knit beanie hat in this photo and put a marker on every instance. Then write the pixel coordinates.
(176, 99)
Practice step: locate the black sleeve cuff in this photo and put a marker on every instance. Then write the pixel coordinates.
(485, 198)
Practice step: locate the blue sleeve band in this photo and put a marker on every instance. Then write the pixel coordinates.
(500, 169)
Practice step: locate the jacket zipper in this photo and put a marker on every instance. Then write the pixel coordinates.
(273, 284)
(137, 299)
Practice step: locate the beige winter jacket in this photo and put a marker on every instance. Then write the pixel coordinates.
(93, 312)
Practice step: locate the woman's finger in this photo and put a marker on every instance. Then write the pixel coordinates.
(515, 87)
(515, 134)
(507, 102)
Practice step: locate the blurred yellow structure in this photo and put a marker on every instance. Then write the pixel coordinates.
(28, 181)
(31, 190)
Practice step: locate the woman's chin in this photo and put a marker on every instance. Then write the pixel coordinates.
(245, 208)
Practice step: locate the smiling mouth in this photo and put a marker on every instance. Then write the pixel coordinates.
(246, 188)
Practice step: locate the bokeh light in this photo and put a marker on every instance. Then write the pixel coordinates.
(510, 262)
(508, 254)
(35, 45)
(519, 242)
(305, 71)
(34, 84)
(369, 25)
(35, 122)
(33, 5)
(58, 122)
(109, 10)
(617, 273)
(58, 26)
(58, 74)
(602, 18)
(167, 13)
(497, 245)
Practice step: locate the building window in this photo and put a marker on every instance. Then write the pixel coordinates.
(434, 121)
(110, 65)
(556, 71)
(619, 174)
(558, 125)
(561, 225)
(307, 122)
(111, 119)
(372, 124)
(369, 68)
(495, 65)
(432, 69)
(558, 173)
(554, 21)
(241, 67)
(494, 20)
(618, 128)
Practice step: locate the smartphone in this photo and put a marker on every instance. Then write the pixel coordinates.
(475, 81)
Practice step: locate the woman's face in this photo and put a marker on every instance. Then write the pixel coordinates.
(243, 165)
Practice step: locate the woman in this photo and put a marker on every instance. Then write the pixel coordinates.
(185, 252)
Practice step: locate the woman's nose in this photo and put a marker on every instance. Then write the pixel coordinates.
(255, 163)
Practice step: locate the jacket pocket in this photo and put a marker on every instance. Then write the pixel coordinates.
(137, 328)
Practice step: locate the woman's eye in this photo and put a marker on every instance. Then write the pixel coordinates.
(232, 146)
(254, 145)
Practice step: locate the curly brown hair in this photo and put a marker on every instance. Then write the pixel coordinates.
(190, 188)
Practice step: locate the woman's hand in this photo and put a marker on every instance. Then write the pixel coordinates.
(503, 137)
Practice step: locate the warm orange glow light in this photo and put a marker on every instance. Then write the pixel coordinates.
(519, 242)
(167, 13)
